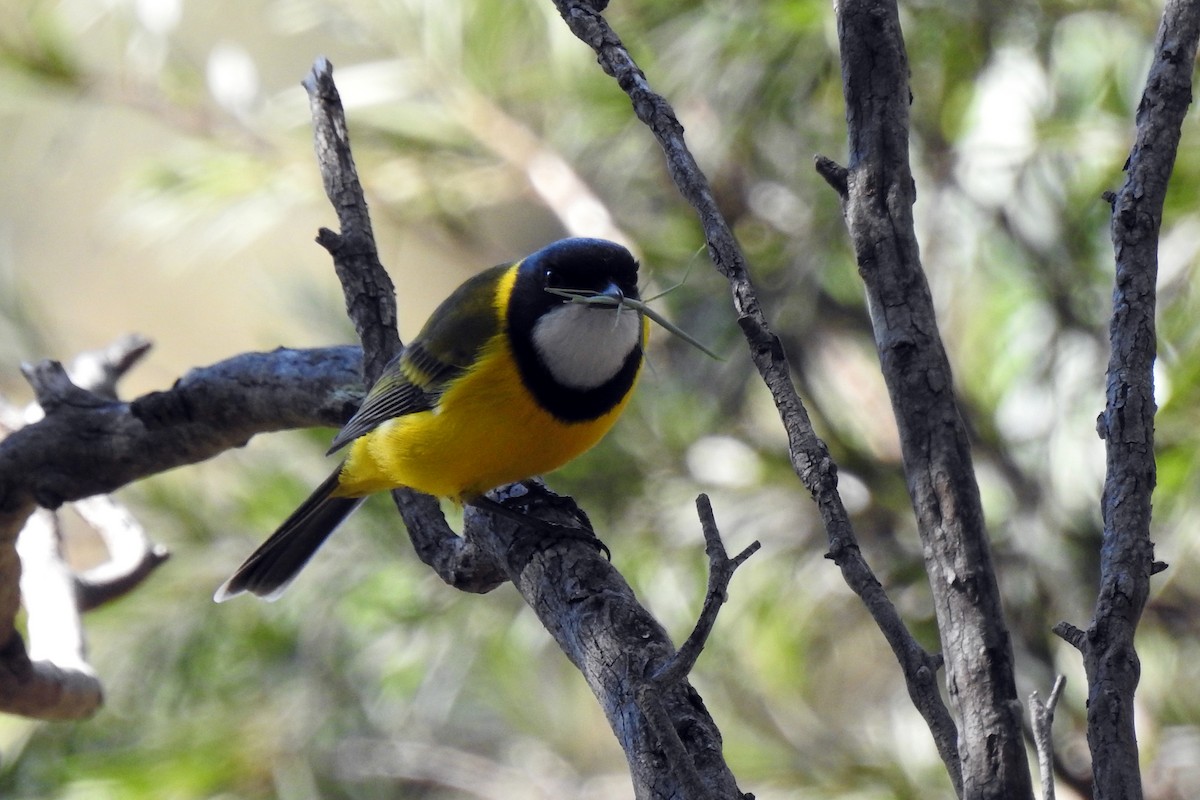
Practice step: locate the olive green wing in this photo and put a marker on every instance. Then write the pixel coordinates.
(446, 347)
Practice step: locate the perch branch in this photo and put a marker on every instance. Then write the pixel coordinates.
(616, 643)
(679, 760)
(809, 455)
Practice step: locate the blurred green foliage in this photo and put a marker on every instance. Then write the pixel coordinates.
(483, 130)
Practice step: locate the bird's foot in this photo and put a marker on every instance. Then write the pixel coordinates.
(546, 534)
(536, 533)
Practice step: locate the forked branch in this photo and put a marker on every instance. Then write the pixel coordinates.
(809, 455)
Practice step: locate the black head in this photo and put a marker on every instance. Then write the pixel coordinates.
(581, 264)
(593, 265)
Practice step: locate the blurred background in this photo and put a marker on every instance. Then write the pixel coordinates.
(158, 177)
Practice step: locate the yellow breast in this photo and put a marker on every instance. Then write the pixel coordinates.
(487, 431)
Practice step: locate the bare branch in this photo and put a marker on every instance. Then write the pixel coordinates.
(720, 572)
(679, 666)
(88, 444)
(594, 616)
(370, 294)
(834, 174)
(679, 760)
(371, 304)
(53, 680)
(1071, 635)
(54, 389)
(1127, 424)
(91, 446)
(55, 630)
(877, 205)
(131, 554)
(809, 455)
(1042, 720)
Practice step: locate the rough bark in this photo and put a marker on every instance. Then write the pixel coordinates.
(878, 199)
(1127, 423)
(808, 453)
(87, 444)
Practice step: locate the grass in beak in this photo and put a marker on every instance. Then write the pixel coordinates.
(592, 298)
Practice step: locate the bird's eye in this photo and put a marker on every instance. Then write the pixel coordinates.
(549, 276)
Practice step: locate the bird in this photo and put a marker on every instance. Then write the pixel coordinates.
(510, 378)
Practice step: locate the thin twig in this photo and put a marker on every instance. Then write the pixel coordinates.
(679, 666)
(132, 556)
(1041, 717)
(720, 571)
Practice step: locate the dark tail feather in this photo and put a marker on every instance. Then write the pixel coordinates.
(269, 570)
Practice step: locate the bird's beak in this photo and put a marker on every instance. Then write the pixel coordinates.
(613, 291)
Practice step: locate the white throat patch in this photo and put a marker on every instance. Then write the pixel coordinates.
(585, 347)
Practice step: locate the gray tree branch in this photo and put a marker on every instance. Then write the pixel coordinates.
(89, 444)
(1127, 424)
(878, 194)
(371, 306)
(809, 455)
(1041, 718)
(53, 679)
(672, 745)
(208, 411)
